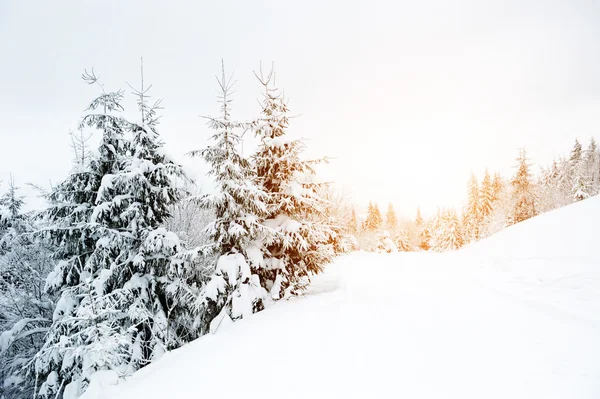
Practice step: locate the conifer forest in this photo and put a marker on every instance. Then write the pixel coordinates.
(299, 249)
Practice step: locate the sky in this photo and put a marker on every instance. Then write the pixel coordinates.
(407, 98)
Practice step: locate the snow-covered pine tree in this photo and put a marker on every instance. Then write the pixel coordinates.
(423, 232)
(472, 216)
(72, 202)
(390, 218)
(486, 196)
(370, 223)
(592, 167)
(302, 236)
(402, 242)
(497, 187)
(487, 204)
(235, 289)
(448, 236)
(581, 184)
(419, 218)
(548, 187)
(377, 218)
(391, 221)
(425, 237)
(576, 153)
(118, 308)
(523, 198)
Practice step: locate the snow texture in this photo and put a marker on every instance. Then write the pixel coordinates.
(516, 315)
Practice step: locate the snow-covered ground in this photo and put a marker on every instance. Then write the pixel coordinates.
(514, 316)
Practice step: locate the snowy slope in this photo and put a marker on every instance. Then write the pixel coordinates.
(514, 316)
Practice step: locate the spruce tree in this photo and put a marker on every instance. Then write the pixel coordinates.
(486, 196)
(581, 180)
(118, 308)
(402, 242)
(390, 217)
(300, 243)
(423, 232)
(497, 187)
(448, 235)
(372, 222)
(592, 167)
(576, 153)
(377, 219)
(419, 218)
(472, 214)
(524, 199)
(235, 289)
(425, 237)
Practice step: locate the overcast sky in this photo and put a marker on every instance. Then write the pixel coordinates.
(408, 98)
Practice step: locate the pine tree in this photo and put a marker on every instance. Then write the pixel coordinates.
(373, 221)
(302, 236)
(118, 306)
(235, 289)
(472, 215)
(581, 180)
(447, 235)
(423, 232)
(591, 169)
(390, 216)
(419, 218)
(576, 153)
(524, 200)
(486, 196)
(377, 219)
(497, 187)
(402, 242)
(425, 237)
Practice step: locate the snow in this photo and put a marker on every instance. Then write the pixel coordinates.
(514, 316)
(284, 224)
(100, 381)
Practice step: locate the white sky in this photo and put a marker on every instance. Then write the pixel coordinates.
(408, 98)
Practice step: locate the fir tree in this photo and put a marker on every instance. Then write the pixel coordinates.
(592, 162)
(497, 187)
(300, 243)
(472, 215)
(425, 237)
(390, 216)
(419, 218)
(373, 220)
(486, 196)
(235, 289)
(377, 219)
(576, 153)
(118, 307)
(524, 200)
(402, 242)
(447, 233)
(423, 232)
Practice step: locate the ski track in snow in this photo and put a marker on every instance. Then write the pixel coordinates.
(497, 319)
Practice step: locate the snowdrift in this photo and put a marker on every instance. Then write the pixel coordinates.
(562, 233)
(514, 316)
